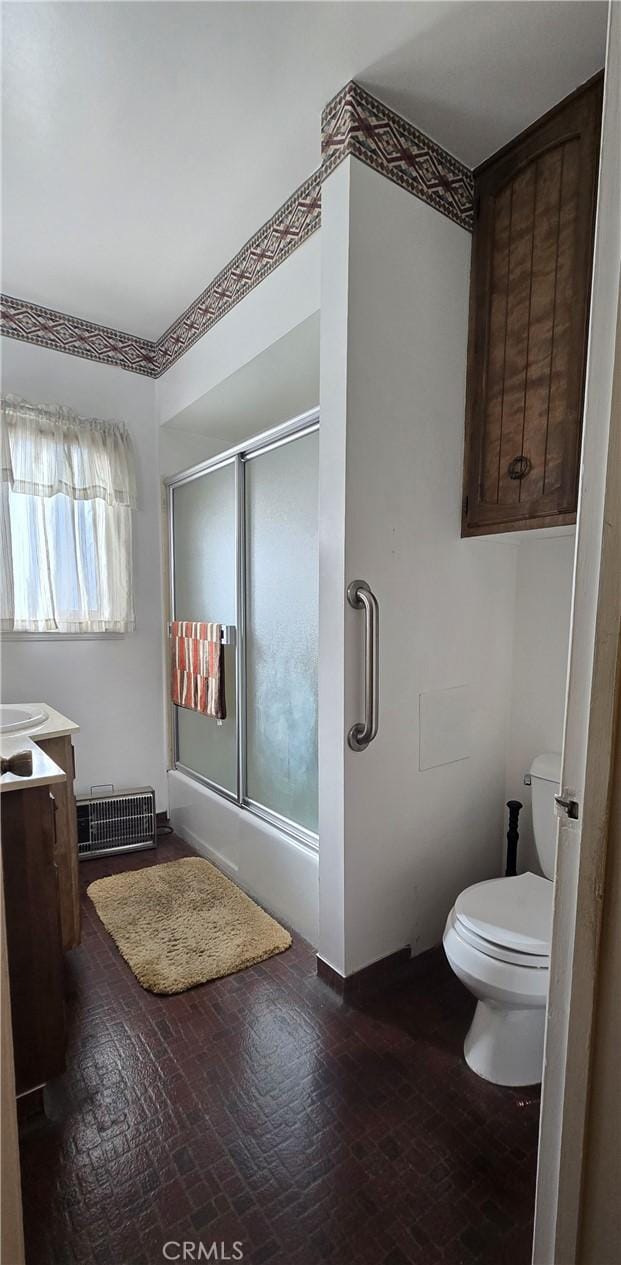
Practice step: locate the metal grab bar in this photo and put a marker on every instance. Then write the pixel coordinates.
(359, 596)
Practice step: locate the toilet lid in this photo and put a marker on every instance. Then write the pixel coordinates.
(515, 913)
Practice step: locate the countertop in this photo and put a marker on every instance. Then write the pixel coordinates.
(44, 770)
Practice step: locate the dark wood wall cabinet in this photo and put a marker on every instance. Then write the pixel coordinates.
(529, 304)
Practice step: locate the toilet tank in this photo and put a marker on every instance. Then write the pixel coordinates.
(545, 772)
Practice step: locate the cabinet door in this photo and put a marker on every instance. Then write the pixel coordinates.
(33, 933)
(530, 289)
(60, 750)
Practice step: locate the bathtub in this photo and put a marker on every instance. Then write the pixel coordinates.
(281, 874)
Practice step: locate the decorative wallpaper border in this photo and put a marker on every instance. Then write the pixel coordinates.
(60, 332)
(292, 224)
(354, 122)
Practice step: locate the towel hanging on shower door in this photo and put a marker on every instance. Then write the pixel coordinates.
(197, 667)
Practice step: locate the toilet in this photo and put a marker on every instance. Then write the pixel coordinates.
(497, 941)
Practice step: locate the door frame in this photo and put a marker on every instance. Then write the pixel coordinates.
(594, 677)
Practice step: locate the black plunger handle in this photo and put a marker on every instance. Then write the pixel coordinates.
(513, 835)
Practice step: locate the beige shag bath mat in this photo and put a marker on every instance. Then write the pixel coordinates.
(184, 923)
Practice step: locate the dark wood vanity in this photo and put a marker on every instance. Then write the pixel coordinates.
(41, 900)
(34, 937)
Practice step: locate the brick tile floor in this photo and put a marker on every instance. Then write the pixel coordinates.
(263, 1109)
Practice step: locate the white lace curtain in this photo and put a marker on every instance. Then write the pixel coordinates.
(67, 493)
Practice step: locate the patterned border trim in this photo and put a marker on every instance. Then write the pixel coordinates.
(271, 245)
(275, 241)
(60, 332)
(355, 122)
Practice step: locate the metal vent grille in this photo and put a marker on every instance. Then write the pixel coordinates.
(124, 821)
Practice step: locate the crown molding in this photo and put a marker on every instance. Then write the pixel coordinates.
(354, 123)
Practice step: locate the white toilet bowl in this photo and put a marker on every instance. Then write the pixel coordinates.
(497, 940)
(505, 1041)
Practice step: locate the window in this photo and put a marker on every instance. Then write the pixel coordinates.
(67, 498)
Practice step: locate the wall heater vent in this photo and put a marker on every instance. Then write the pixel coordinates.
(123, 821)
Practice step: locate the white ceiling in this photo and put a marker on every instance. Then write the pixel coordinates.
(143, 143)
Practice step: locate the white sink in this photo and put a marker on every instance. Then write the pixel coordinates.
(22, 719)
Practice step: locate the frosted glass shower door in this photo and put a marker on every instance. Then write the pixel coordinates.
(204, 535)
(282, 602)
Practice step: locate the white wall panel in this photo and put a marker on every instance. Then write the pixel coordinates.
(111, 686)
(399, 843)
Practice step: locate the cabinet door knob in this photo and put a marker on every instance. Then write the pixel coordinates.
(519, 467)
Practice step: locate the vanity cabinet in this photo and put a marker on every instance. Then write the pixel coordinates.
(529, 302)
(61, 751)
(33, 933)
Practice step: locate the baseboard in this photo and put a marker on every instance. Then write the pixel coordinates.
(377, 975)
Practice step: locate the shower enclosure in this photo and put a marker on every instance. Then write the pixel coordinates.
(243, 533)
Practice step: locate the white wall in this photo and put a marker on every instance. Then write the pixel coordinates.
(280, 383)
(180, 449)
(286, 297)
(398, 843)
(111, 686)
(539, 671)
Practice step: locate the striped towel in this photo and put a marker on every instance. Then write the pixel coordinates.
(197, 667)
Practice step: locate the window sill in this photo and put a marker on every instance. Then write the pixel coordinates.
(53, 636)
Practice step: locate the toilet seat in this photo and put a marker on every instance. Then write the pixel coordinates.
(537, 961)
(494, 975)
(508, 918)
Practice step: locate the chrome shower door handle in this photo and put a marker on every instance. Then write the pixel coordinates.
(359, 596)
